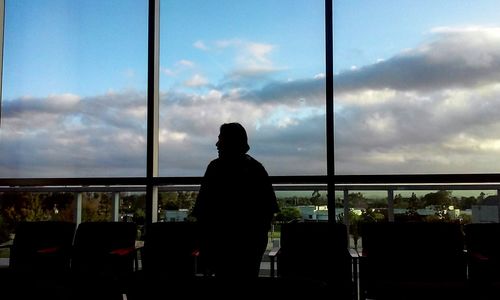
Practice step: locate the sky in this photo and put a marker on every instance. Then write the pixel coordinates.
(416, 86)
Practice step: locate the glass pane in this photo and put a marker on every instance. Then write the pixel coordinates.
(260, 63)
(33, 206)
(467, 206)
(416, 86)
(74, 90)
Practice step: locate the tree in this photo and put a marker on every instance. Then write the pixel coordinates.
(467, 202)
(288, 214)
(441, 199)
(357, 200)
(316, 199)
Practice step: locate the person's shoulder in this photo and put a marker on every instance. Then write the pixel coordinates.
(249, 159)
(214, 163)
(253, 162)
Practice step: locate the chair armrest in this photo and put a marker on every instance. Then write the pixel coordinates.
(478, 257)
(354, 253)
(272, 256)
(7, 244)
(48, 250)
(355, 256)
(123, 251)
(130, 251)
(139, 246)
(274, 252)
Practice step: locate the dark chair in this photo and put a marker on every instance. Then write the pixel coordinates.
(169, 261)
(171, 249)
(413, 261)
(483, 256)
(317, 251)
(39, 258)
(103, 259)
(42, 246)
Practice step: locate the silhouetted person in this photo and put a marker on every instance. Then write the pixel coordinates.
(234, 208)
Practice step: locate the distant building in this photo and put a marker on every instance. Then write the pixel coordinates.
(180, 215)
(487, 211)
(316, 213)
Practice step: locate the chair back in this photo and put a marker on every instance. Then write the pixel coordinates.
(315, 250)
(42, 246)
(483, 251)
(413, 251)
(170, 249)
(104, 248)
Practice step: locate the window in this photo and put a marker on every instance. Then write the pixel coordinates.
(74, 89)
(416, 87)
(260, 63)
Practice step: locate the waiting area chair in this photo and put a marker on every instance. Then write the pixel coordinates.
(171, 249)
(42, 246)
(169, 261)
(483, 255)
(59, 260)
(317, 252)
(413, 261)
(103, 257)
(40, 258)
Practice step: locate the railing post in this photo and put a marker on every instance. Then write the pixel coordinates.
(78, 208)
(346, 214)
(390, 205)
(498, 205)
(116, 206)
(346, 207)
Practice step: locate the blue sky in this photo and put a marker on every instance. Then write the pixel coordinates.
(90, 47)
(416, 85)
(368, 30)
(82, 47)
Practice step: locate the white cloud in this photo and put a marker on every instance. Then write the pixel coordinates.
(168, 72)
(458, 57)
(196, 81)
(251, 58)
(200, 45)
(185, 63)
(431, 109)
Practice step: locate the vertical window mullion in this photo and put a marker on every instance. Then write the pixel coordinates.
(330, 168)
(2, 22)
(153, 110)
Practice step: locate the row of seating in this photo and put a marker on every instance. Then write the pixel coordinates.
(397, 260)
(59, 260)
(99, 260)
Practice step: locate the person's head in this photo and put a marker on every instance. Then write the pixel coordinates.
(233, 140)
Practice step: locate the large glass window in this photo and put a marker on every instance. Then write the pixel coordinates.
(260, 63)
(74, 89)
(417, 86)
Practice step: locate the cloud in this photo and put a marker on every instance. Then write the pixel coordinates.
(179, 67)
(71, 136)
(431, 109)
(200, 45)
(251, 59)
(105, 135)
(453, 58)
(185, 63)
(292, 93)
(196, 81)
(167, 71)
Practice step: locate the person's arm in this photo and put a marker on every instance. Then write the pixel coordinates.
(200, 204)
(269, 196)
